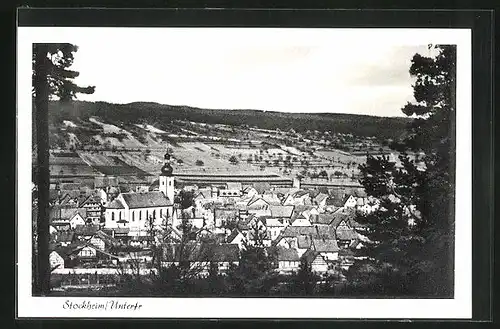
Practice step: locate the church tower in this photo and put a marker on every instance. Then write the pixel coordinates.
(166, 179)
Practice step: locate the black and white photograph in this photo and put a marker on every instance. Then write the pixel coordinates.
(281, 171)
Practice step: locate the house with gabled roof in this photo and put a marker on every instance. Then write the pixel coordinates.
(304, 243)
(56, 260)
(257, 203)
(320, 200)
(369, 206)
(67, 216)
(201, 255)
(76, 220)
(250, 192)
(274, 225)
(328, 248)
(84, 232)
(290, 235)
(63, 238)
(300, 197)
(350, 201)
(288, 260)
(321, 219)
(103, 241)
(236, 237)
(301, 220)
(316, 260)
(280, 211)
(93, 206)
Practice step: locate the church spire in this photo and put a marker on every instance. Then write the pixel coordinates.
(167, 169)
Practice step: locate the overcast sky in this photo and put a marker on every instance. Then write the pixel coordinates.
(247, 71)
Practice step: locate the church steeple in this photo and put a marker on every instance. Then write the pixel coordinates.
(167, 169)
(166, 179)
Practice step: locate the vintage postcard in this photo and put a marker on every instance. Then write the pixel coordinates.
(244, 173)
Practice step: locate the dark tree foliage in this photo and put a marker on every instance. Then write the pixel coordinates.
(185, 199)
(358, 125)
(304, 281)
(60, 57)
(51, 78)
(233, 160)
(254, 275)
(412, 234)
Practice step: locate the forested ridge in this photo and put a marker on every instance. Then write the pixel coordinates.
(153, 113)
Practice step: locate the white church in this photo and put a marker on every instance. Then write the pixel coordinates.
(136, 211)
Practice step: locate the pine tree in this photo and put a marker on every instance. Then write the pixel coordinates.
(51, 78)
(412, 233)
(256, 264)
(304, 281)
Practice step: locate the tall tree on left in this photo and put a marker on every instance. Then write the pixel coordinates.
(51, 80)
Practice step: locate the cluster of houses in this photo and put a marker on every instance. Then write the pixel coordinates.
(109, 228)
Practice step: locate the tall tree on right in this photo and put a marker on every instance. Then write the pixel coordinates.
(412, 234)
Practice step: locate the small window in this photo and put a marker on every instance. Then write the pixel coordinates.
(133, 216)
(169, 183)
(140, 215)
(112, 216)
(161, 212)
(154, 213)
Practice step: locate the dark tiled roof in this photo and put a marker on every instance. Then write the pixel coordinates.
(355, 224)
(226, 213)
(59, 225)
(320, 197)
(91, 199)
(66, 212)
(108, 240)
(272, 199)
(86, 229)
(287, 254)
(300, 193)
(281, 211)
(63, 237)
(304, 242)
(121, 230)
(342, 215)
(346, 234)
(255, 199)
(299, 209)
(327, 245)
(314, 231)
(324, 219)
(310, 255)
(146, 200)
